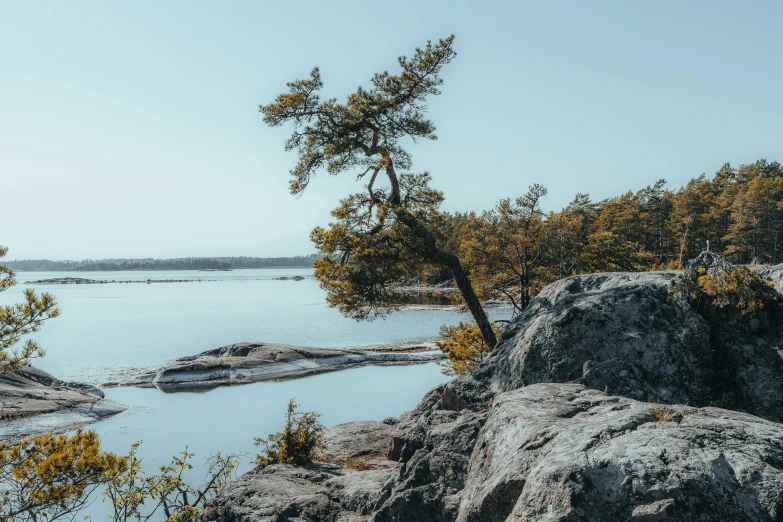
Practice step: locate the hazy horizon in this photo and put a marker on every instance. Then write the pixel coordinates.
(132, 129)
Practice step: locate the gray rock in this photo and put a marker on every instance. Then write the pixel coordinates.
(357, 439)
(34, 402)
(620, 333)
(251, 362)
(551, 452)
(330, 491)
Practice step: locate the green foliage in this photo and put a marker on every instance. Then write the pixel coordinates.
(20, 320)
(369, 254)
(514, 250)
(386, 236)
(300, 442)
(52, 477)
(365, 132)
(710, 282)
(464, 348)
(137, 496)
(507, 250)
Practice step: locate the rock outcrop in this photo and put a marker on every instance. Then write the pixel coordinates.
(251, 362)
(345, 487)
(34, 402)
(599, 404)
(621, 333)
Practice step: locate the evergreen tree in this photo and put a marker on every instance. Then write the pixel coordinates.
(380, 238)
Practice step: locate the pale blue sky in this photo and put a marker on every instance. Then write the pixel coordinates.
(130, 129)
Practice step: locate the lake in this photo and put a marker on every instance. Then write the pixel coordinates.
(110, 330)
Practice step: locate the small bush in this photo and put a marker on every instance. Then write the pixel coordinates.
(464, 347)
(711, 281)
(300, 442)
(664, 416)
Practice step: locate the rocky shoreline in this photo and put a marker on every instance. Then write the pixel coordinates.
(33, 402)
(244, 363)
(604, 401)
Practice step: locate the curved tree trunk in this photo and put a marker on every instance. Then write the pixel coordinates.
(473, 303)
(439, 256)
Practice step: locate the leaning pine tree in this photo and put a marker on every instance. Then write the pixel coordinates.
(384, 236)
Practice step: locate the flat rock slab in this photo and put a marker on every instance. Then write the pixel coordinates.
(358, 439)
(251, 362)
(33, 402)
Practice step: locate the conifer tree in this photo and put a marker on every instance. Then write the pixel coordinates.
(382, 236)
(20, 320)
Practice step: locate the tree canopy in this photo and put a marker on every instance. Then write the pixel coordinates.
(385, 236)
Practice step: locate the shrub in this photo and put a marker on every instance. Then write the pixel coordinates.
(300, 442)
(710, 281)
(464, 348)
(52, 477)
(664, 416)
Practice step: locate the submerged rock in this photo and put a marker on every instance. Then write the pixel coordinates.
(34, 402)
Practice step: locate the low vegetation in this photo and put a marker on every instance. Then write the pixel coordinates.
(52, 477)
(664, 416)
(712, 284)
(300, 442)
(464, 348)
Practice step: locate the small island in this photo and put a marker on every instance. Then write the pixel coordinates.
(244, 363)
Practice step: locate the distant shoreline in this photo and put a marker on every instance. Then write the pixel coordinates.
(163, 269)
(217, 264)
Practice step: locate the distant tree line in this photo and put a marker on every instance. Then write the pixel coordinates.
(515, 249)
(184, 263)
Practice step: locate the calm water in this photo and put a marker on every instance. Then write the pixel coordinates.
(227, 419)
(106, 331)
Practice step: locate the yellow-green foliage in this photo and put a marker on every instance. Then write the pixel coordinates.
(21, 319)
(369, 254)
(711, 281)
(137, 496)
(51, 478)
(464, 348)
(664, 416)
(742, 288)
(300, 442)
(505, 250)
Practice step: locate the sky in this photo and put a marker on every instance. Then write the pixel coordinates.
(131, 129)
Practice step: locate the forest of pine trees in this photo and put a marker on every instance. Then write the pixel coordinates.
(515, 249)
